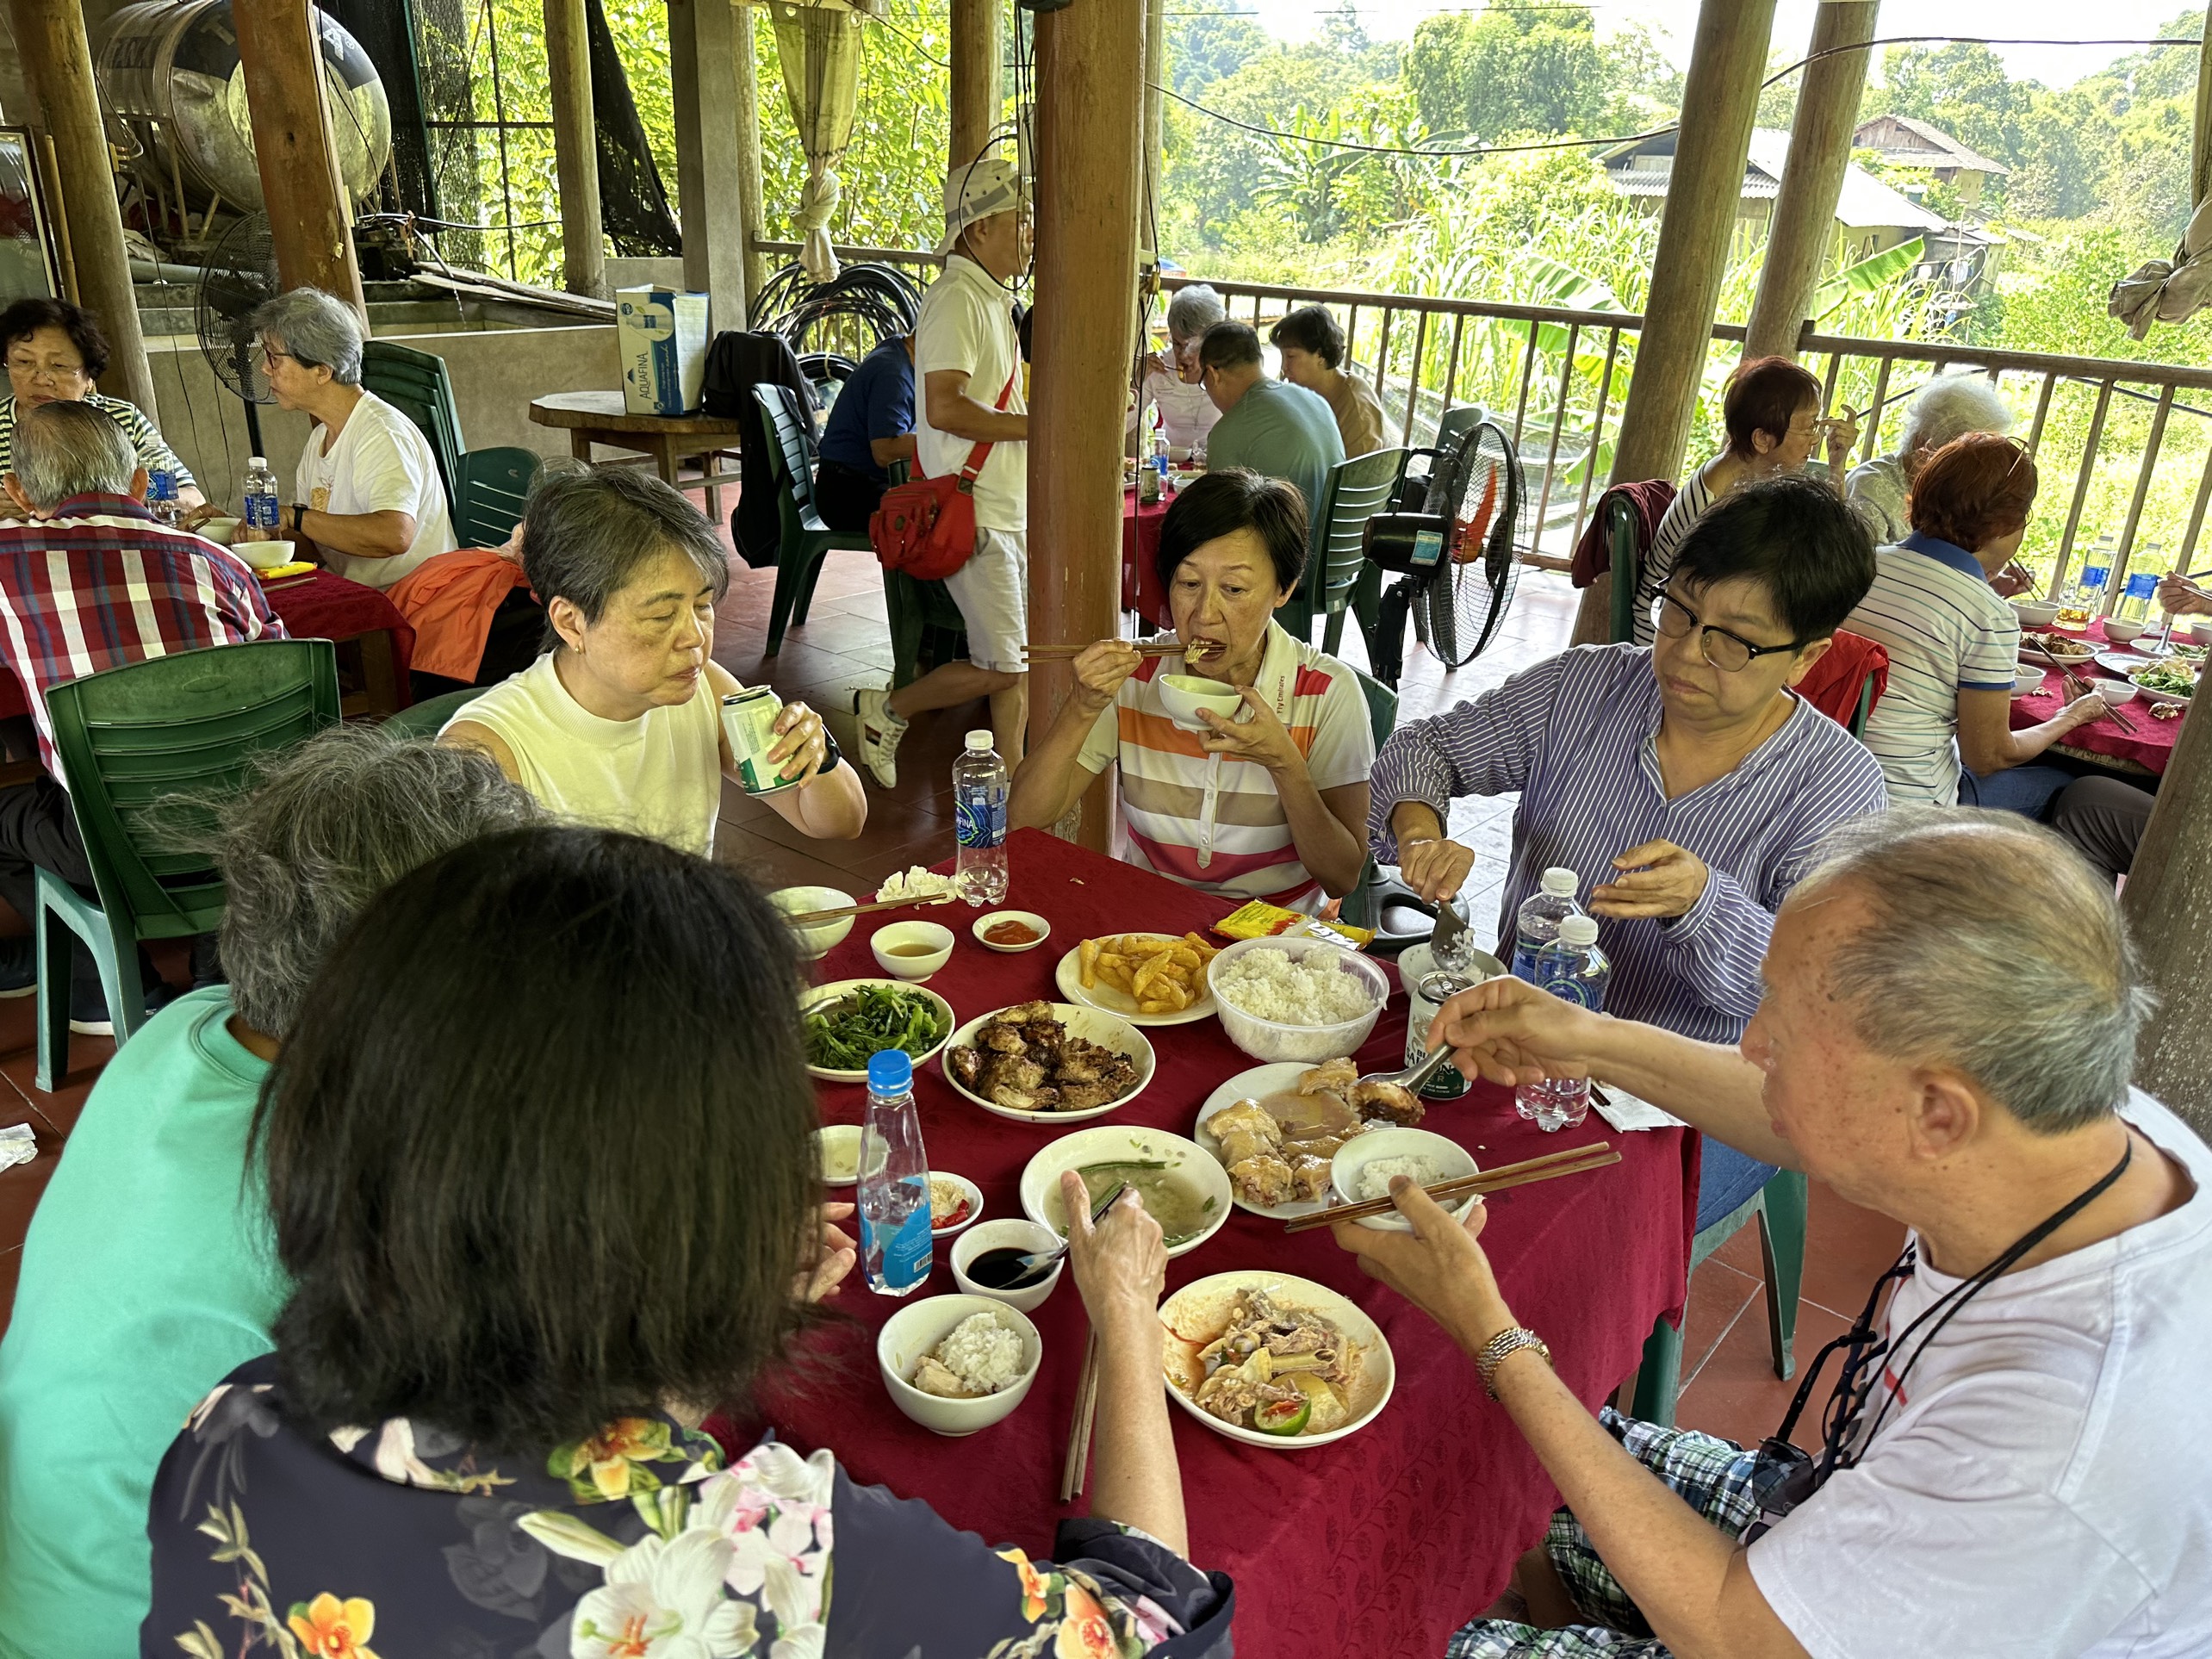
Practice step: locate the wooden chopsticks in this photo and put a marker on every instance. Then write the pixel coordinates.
(1063, 653)
(811, 919)
(1574, 1160)
(2077, 686)
(1077, 1464)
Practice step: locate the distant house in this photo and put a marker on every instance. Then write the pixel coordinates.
(1901, 141)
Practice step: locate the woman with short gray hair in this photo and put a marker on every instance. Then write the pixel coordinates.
(1170, 382)
(1948, 406)
(620, 724)
(367, 496)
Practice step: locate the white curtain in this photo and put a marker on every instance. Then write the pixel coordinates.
(819, 48)
(2169, 290)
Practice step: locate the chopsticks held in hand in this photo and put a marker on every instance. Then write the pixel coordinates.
(2077, 686)
(1077, 1464)
(1066, 653)
(1574, 1160)
(810, 918)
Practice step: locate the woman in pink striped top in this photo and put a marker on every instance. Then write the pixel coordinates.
(1270, 803)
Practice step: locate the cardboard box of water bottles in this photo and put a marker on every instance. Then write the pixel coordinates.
(662, 334)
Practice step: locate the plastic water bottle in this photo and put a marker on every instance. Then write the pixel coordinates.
(894, 1196)
(1537, 924)
(2139, 595)
(979, 814)
(161, 495)
(1159, 458)
(2095, 575)
(1572, 968)
(261, 507)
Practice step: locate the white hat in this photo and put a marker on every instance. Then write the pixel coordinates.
(983, 189)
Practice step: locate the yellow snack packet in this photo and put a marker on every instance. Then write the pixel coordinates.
(1260, 920)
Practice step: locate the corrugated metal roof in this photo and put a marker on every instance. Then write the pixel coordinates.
(1864, 204)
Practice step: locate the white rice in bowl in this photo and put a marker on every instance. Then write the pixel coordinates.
(978, 1357)
(1374, 1175)
(1311, 990)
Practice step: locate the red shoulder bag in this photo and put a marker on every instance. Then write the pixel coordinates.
(926, 527)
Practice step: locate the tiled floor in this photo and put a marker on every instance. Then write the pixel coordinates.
(1728, 1386)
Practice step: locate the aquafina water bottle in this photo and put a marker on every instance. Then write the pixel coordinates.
(161, 498)
(894, 1196)
(1572, 968)
(1537, 924)
(261, 503)
(980, 815)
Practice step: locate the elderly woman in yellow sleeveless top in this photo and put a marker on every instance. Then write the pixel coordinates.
(1267, 803)
(620, 724)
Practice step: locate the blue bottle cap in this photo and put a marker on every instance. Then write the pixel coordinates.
(890, 1072)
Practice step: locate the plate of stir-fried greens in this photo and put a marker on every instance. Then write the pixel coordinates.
(848, 1019)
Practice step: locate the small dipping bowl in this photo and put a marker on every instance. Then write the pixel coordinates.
(2122, 633)
(820, 939)
(916, 1329)
(970, 1194)
(982, 925)
(1008, 1234)
(837, 1153)
(2201, 632)
(2028, 679)
(2115, 692)
(1183, 695)
(2034, 614)
(913, 950)
(264, 555)
(1452, 1160)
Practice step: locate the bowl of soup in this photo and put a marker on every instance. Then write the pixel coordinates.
(1182, 1185)
(1182, 695)
(913, 950)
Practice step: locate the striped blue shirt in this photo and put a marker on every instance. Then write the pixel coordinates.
(1577, 736)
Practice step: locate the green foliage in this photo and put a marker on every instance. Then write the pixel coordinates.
(1211, 46)
(1496, 71)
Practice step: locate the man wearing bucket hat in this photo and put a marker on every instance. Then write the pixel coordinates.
(967, 361)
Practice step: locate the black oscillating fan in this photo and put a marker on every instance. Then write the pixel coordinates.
(240, 276)
(1457, 560)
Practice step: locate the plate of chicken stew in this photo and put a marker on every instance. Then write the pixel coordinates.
(1057, 1062)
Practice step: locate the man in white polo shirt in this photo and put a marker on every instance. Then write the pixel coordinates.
(967, 366)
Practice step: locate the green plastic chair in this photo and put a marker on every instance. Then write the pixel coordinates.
(1627, 567)
(803, 541)
(425, 718)
(494, 488)
(926, 626)
(1364, 904)
(1336, 561)
(484, 488)
(127, 740)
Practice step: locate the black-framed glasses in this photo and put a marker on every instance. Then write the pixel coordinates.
(1725, 652)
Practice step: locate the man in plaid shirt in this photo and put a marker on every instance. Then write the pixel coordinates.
(89, 580)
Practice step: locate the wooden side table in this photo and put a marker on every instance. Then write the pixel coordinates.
(592, 418)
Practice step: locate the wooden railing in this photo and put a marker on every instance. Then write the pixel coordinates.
(1555, 379)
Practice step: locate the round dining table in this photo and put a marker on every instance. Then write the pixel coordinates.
(1381, 1543)
(2137, 744)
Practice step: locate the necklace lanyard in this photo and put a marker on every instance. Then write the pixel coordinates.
(1280, 696)
(1841, 1445)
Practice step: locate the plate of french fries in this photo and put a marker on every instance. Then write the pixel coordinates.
(1148, 978)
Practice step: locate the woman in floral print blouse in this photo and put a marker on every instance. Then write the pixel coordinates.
(541, 1176)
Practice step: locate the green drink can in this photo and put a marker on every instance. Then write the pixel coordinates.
(749, 719)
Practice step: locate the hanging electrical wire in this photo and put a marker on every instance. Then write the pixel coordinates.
(878, 299)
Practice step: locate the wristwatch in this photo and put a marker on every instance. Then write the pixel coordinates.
(299, 516)
(1495, 1349)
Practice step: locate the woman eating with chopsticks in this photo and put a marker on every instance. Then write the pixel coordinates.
(1270, 803)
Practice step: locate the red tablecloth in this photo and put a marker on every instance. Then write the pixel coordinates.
(2151, 743)
(1381, 1543)
(1141, 586)
(319, 605)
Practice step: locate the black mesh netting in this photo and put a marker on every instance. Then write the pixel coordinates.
(422, 50)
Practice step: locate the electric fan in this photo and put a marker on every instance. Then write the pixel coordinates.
(241, 274)
(1456, 560)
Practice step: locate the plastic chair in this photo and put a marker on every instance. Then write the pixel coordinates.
(494, 486)
(1364, 904)
(1622, 533)
(1454, 423)
(1337, 561)
(188, 724)
(484, 488)
(926, 626)
(427, 718)
(803, 541)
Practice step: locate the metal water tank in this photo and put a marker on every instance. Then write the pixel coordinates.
(173, 91)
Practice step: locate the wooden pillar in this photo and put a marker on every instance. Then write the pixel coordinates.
(1804, 225)
(1152, 132)
(1728, 60)
(977, 94)
(752, 212)
(2200, 160)
(575, 148)
(703, 82)
(1089, 96)
(57, 60)
(310, 221)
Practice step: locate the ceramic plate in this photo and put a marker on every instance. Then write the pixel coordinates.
(1196, 1314)
(1069, 977)
(1106, 1030)
(1279, 1079)
(821, 994)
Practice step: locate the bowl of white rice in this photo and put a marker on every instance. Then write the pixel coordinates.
(1364, 1164)
(1296, 999)
(957, 1363)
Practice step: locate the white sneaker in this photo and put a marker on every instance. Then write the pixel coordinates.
(880, 730)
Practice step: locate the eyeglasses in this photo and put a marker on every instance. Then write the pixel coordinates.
(53, 373)
(1728, 652)
(270, 357)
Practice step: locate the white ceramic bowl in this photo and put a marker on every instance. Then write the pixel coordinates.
(2120, 633)
(1106, 1030)
(969, 1190)
(2033, 614)
(1194, 1316)
(821, 994)
(917, 1328)
(1183, 695)
(819, 940)
(221, 531)
(1001, 1235)
(837, 1151)
(911, 950)
(1452, 1160)
(1272, 1040)
(1037, 924)
(2201, 632)
(2115, 692)
(1112, 1143)
(2028, 680)
(265, 556)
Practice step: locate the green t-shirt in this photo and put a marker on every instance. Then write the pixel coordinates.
(1279, 431)
(148, 1275)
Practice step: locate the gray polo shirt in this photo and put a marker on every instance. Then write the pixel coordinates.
(1279, 431)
